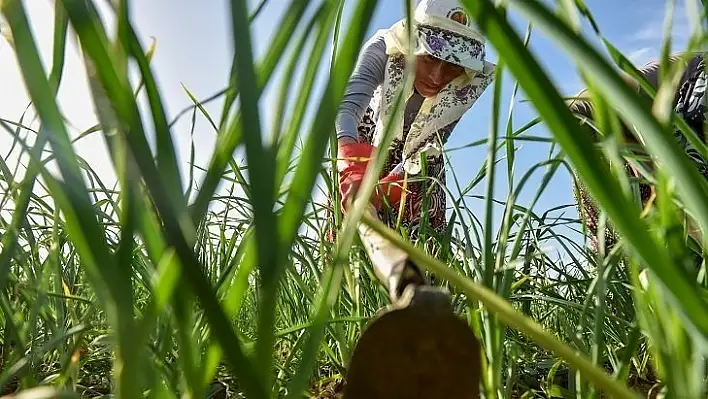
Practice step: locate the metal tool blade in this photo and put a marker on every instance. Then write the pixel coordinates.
(416, 347)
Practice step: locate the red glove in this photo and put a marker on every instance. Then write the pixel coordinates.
(390, 188)
(353, 160)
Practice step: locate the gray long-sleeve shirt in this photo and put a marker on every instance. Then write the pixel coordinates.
(368, 74)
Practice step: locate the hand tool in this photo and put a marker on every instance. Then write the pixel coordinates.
(416, 347)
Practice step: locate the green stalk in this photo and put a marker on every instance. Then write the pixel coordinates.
(493, 330)
(580, 149)
(505, 312)
(10, 236)
(261, 175)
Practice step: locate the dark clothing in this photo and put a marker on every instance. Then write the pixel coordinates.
(690, 104)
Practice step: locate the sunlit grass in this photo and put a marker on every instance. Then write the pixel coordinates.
(153, 289)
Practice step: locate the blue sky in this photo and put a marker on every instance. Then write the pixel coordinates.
(194, 49)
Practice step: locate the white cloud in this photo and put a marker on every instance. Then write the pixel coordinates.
(652, 31)
(572, 87)
(642, 55)
(644, 44)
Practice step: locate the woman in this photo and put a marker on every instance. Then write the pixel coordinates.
(689, 103)
(450, 74)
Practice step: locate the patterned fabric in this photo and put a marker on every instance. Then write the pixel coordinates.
(449, 46)
(690, 105)
(434, 180)
(447, 32)
(434, 193)
(436, 113)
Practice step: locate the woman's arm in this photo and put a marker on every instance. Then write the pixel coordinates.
(583, 107)
(367, 76)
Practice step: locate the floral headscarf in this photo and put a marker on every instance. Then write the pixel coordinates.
(449, 37)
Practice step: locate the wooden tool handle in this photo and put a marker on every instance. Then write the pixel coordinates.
(391, 264)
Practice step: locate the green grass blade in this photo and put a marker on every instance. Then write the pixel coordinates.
(289, 76)
(177, 228)
(286, 147)
(506, 313)
(261, 176)
(623, 63)
(9, 239)
(231, 135)
(61, 27)
(166, 156)
(691, 186)
(309, 166)
(328, 293)
(580, 149)
(87, 229)
(492, 330)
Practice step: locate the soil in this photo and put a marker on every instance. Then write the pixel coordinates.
(94, 383)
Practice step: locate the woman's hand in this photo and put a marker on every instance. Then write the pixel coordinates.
(353, 159)
(390, 188)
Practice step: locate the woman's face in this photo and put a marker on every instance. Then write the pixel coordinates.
(432, 74)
